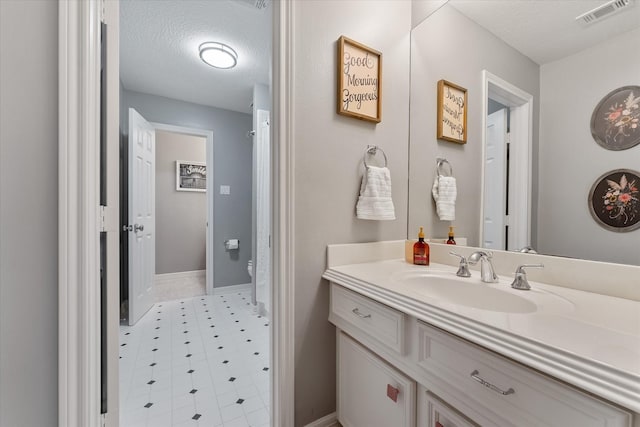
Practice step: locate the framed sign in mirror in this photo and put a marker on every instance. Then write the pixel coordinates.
(452, 112)
(359, 81)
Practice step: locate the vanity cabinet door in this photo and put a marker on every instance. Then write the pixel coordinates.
(370, 392)
(440, 414)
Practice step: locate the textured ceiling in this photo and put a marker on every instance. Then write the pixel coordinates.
(159, 49)
(546, 30)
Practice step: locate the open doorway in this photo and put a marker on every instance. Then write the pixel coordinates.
(184, 208)
(201, 359)
(506, 165)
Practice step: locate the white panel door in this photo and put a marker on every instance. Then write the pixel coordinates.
(142, 223)
(370, 392)
(495, 181)
(262, 263)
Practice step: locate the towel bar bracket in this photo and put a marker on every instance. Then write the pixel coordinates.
(372, 150)
(441, 163)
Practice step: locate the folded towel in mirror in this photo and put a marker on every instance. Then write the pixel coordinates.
(375, 195)
(444, 193)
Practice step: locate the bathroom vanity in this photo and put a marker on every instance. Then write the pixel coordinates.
(419, 346)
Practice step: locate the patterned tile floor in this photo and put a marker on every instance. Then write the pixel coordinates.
(201, 361)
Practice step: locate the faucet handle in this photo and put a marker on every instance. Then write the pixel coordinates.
(463, 268)
(520, 269)
(520, 282)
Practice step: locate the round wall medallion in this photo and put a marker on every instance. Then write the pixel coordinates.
(614, 200)
(615, 122)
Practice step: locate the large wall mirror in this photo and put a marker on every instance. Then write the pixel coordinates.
(534, 71)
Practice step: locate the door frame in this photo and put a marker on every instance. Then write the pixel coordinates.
(208, 135)
(520, 104)
(79, 214)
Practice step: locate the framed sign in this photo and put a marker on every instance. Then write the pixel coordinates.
(191, 176)
(615, 122)
(614, 200)
(359, 81)
(452, 112)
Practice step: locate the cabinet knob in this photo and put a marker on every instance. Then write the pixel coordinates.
(392, 392)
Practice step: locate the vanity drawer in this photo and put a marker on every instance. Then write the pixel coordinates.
(379, 321)
(516, 393)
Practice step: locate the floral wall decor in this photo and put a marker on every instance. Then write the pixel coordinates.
(614, 200)
(615, 122)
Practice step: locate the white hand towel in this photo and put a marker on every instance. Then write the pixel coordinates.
(445, 192)
(375, 195)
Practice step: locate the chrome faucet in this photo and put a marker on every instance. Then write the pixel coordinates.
(487, 274)
(463, 267)
(520, 282)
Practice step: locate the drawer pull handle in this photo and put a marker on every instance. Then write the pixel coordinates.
(475, 375)
(362, 316)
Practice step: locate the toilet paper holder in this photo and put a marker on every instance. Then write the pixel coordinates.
(232, 244)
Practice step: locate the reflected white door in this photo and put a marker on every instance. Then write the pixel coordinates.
(495, 181)
(142, 223)
(262, 263)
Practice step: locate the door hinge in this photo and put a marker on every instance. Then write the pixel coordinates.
(103, 420)
(508, 139)
(107, 219)
(506, 220)
(102, 11)
(101, 220)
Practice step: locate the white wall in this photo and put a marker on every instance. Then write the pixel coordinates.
(28, 213)
(181, 216)
(448, 45)
(570, 159)
(328, 169)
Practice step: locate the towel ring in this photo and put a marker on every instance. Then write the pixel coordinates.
(373, 150)
(441, 162)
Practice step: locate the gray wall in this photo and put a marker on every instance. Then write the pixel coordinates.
(232, 166)
(28, 213)
(328, 169)
(434, 57)
(571, 159)
(181, 216)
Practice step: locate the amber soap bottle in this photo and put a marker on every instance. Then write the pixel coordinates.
(421, 250)
(451, 241)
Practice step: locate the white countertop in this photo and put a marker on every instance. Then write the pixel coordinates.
(589, 340)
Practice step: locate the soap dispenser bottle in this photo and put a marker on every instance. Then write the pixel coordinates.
(421, 250)
(451, 241)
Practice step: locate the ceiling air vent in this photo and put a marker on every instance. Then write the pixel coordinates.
(603, 11)
(255, 4)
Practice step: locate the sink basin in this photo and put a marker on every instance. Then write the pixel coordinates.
(467, 292)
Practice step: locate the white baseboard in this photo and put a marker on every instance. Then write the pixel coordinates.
(170, 277)
(330, 420)
(230, 289)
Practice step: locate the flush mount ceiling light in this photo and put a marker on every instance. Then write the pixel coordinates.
(218, 55)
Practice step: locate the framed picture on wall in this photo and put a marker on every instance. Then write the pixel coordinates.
(615, 122)
(191, 176)
(452, 112)
(614, 200)
(359, 81)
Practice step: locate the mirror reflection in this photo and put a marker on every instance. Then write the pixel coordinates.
(534, 75)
